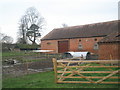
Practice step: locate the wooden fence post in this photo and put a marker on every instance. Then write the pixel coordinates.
(55, 68)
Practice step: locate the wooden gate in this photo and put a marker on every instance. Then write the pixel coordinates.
(86, 71)
(62, 46)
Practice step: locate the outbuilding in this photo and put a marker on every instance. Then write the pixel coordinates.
(78, 38)
(109, 47)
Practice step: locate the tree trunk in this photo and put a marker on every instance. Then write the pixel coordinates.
(34, 37)
(23, 32)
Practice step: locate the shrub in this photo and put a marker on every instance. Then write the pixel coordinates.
(27, 46)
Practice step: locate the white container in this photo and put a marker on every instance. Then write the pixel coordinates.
(78, 54)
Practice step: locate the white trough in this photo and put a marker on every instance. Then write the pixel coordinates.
(85, 55)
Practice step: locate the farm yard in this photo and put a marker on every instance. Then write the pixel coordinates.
(26, 63)
(75, 45)
(35, 70)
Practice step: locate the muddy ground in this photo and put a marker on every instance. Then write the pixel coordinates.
(26, 68)
(41, 64)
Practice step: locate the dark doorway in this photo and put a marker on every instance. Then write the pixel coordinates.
(63, 46)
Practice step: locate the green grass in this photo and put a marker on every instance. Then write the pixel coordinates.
(20, 56)
(13, 53)
(28, 53)
(46, 80)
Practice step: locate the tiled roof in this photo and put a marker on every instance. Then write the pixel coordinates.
(113, 37)
(82, 31)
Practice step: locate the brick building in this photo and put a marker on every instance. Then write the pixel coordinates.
(109, 47)
(78, 38)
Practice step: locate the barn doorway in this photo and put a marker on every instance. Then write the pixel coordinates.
(63, 46)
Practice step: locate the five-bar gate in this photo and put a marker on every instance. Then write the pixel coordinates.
(86, 71)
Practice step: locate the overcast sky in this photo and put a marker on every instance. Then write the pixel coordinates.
(57, 12)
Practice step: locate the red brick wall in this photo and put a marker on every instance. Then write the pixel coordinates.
(109, 51)
(49, 45)
(87, 43)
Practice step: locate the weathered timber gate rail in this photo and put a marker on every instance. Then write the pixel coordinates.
(86, 71)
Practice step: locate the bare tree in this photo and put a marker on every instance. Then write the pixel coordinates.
(7, 39)
(1, 36)
(23, 29)
(64, 25)
(31, 24)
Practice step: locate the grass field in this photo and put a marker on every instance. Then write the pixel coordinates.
(46, 80)
(14, 53)
(21, 56)
(28, 53)
(43, 79)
